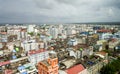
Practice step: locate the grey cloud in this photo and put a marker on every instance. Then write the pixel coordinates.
(45, 4)
(59, 10)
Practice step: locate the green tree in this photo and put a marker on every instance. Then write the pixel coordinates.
(31, 33)
(38, 34)
(108, 69)
(111, 68)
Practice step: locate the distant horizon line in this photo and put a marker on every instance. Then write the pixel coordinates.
(65, 23)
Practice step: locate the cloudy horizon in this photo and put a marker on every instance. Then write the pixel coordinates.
(61, 11)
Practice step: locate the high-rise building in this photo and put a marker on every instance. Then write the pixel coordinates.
(53, 32)
(60, 29)
(30, 28)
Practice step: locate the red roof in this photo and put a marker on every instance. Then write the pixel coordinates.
(4, 63)
(35, 51)
(104, 30)
(75, 70)
(3, 32)
(102, 53)
(8, 71)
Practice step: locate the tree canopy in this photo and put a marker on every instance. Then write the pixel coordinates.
(112, 67)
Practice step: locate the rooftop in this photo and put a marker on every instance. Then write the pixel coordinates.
(45, 62)
(75, 70)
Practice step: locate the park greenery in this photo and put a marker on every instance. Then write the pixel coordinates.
(112, 67)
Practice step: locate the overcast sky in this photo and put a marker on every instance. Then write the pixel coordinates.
(61, 11)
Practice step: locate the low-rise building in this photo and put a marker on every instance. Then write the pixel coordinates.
(78, 69)
(36, 56)
(113, 43)
(49, 66)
